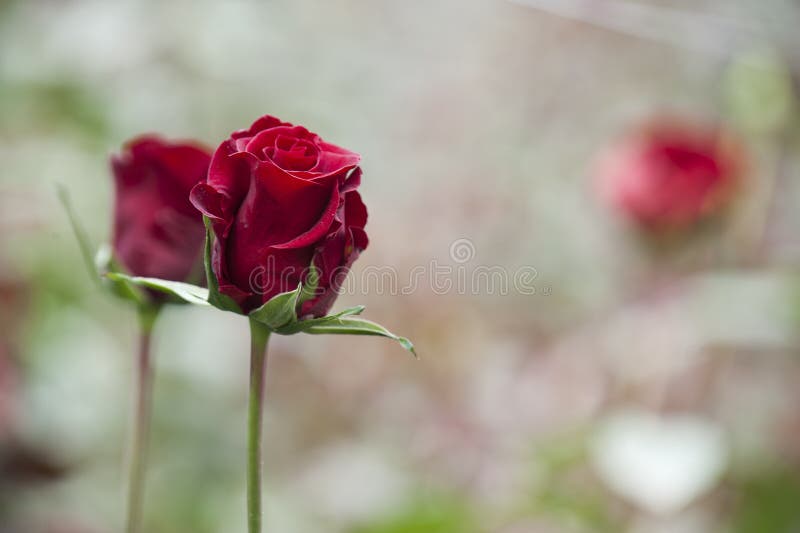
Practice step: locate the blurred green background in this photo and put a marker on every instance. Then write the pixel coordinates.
(638, 390)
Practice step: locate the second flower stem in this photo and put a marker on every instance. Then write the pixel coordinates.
(259, 335)
(141, 421)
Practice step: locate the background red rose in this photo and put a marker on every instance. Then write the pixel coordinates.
(279, 198)
(670, 173)
(157, 232)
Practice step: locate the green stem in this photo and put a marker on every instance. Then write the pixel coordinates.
(259, 335)
(141, 421)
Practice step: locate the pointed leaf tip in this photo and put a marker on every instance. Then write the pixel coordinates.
(348, 325)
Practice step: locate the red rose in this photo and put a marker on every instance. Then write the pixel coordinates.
(281, 199)
(157, 232)
(670, 173)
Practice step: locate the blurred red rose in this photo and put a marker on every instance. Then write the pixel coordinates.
(279, 198)
(157, 232)
(670, 173)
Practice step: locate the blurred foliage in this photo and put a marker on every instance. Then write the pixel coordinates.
(759, 92)
(35, 108)
(562, 489)
(433, 514)
(768, 503)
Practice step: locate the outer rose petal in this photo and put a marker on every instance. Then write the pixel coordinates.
(318, 230)
(262, 123)
(355, 210)
(229, 176)
(360, 239)
(334, 263)
(336, 255)
(209, 201)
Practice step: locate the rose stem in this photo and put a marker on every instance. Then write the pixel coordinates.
(141, 420)
(259, 335)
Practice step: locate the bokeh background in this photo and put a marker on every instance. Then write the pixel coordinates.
(638, 390)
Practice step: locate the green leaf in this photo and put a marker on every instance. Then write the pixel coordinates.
(79, 232)
(183, 291)
(280, 310)
(357, 326)
(215, 298)
(302, 325)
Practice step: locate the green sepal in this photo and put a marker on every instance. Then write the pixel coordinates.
(279, 311)
(309, 286)
(280, 316)
(301, 325)
(179, 291)
(357, 326)
(79, 232)
(215, 298)
(103, 262)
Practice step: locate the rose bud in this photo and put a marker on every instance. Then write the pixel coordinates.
(670, 174)
(282, 200)
(157, 232)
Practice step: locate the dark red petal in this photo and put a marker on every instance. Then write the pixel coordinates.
(229, 175)
(267, 137)
(247, 301)
(261, 124)
(330, 255)
(282, 185)
(293, 154)
(334, 265)
(281, 271)
(333, 158)
(355, 210)
(353, 181)
(240, 144)
(360, 239)
(208, 201)
(244, 298)
(124, 172)
(318, 230)
(144, 147)
(277, 209)
(185, 162)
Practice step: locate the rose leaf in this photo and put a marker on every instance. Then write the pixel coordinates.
(357, 326)
(185, 292)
